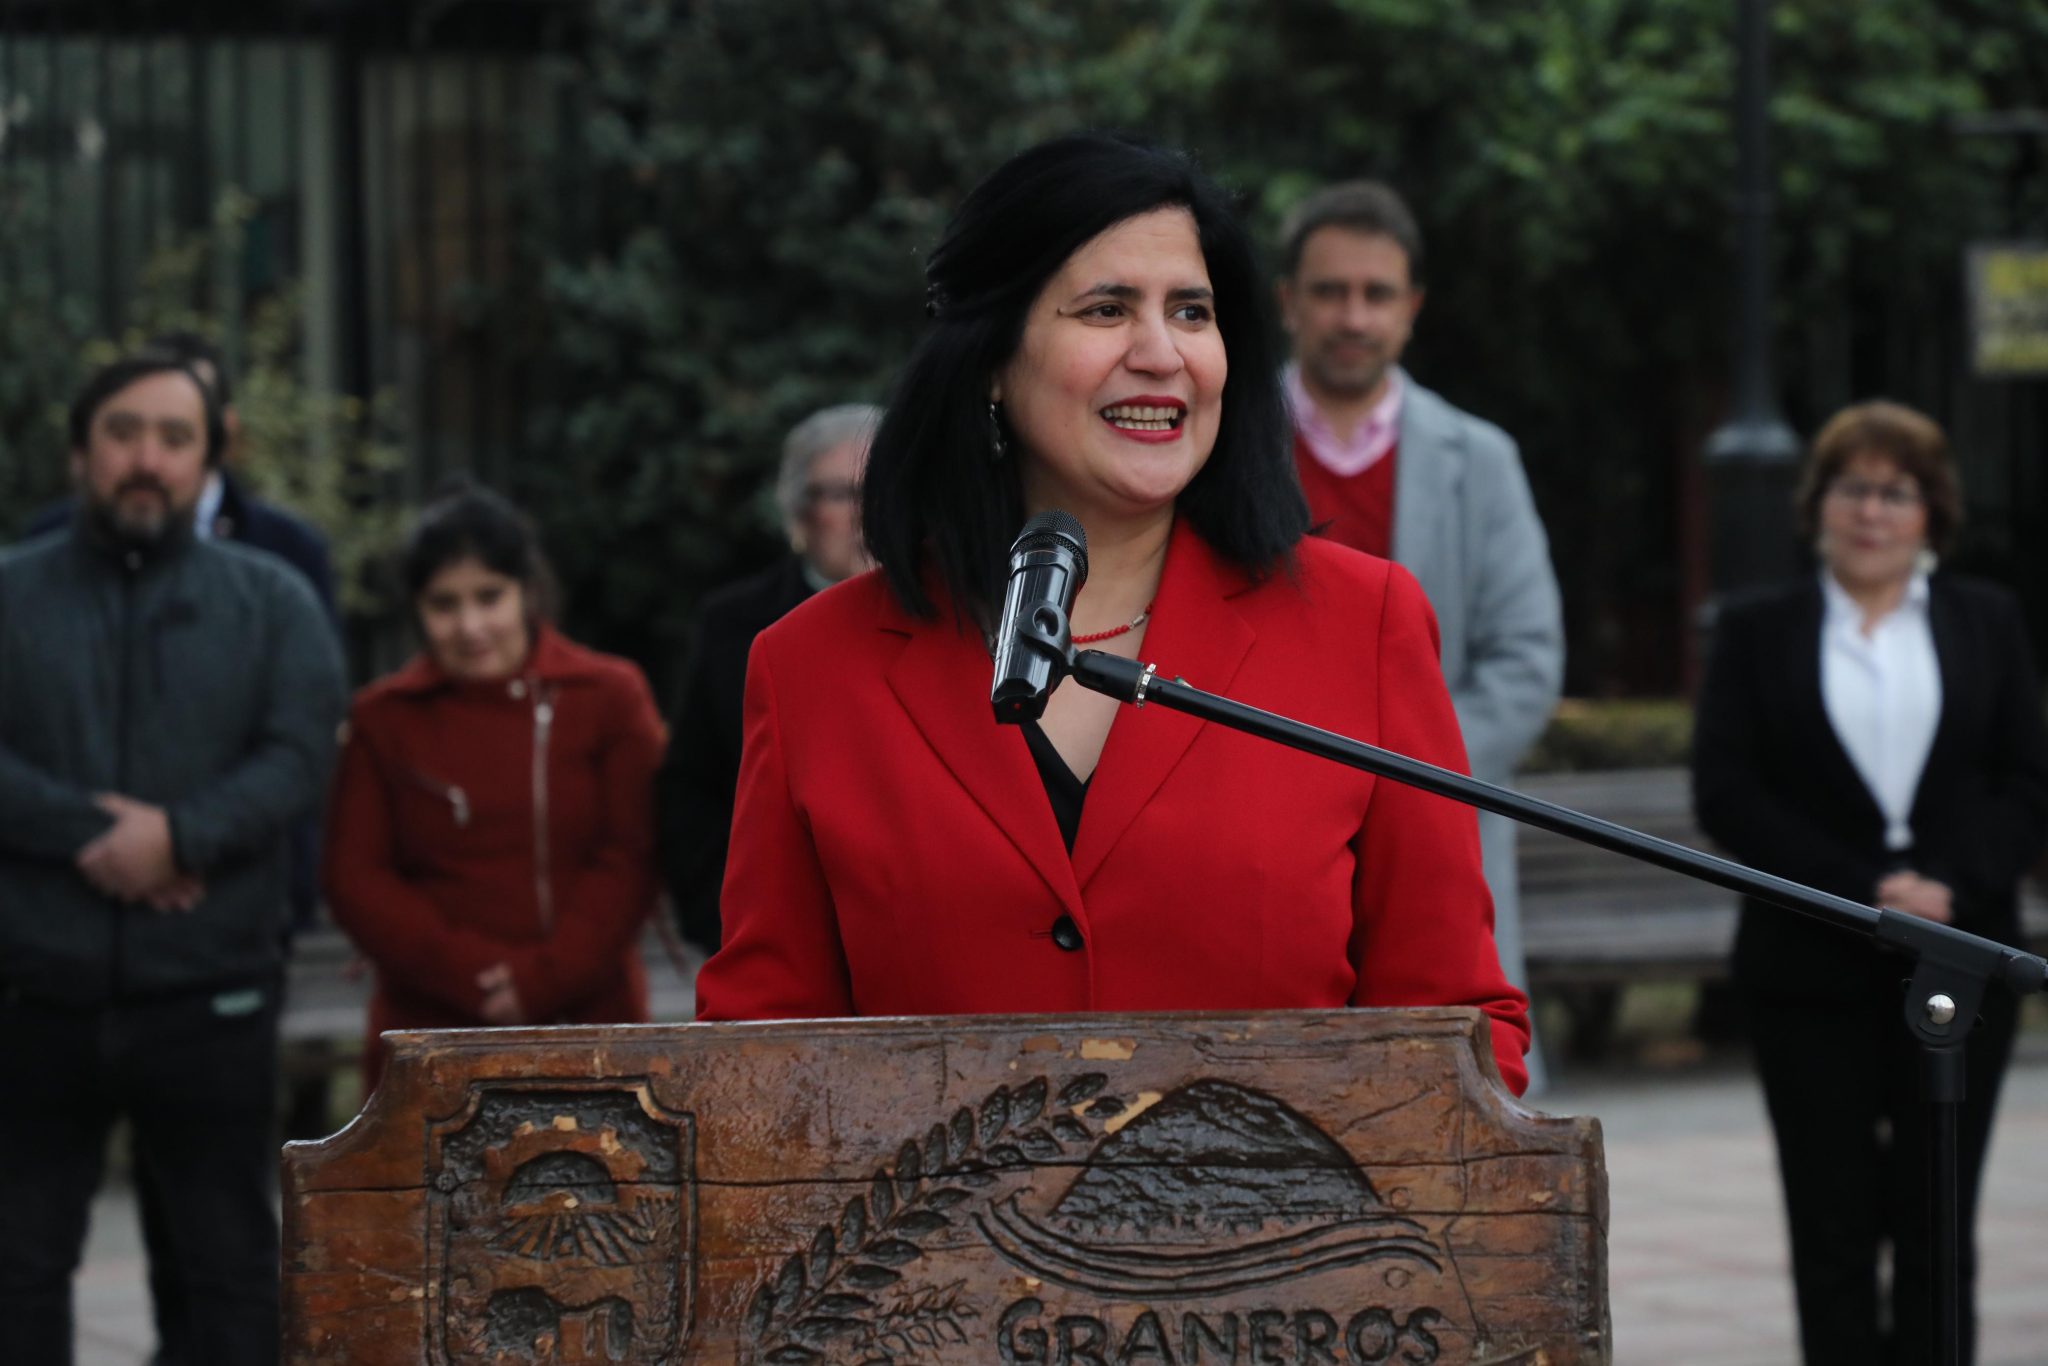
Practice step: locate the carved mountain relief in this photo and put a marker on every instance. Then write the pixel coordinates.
(1212, 1189)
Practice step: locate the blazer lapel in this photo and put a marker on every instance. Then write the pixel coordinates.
(942, 679)
(1196, 634)
(1431, 463)
(1955, 678)
(1801, 653)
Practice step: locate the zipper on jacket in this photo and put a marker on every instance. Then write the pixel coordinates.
(457, 799)
(543, 883)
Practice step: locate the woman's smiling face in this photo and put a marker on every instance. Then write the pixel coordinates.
(1115, 393)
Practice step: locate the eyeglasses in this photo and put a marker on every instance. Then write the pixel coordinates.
(1890, 497)
(831, 491)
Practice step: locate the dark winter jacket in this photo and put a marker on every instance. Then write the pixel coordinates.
(204, 678)
(702, 771)
(264, 525)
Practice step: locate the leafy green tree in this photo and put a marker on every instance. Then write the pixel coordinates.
(769, 174)
(775, 169)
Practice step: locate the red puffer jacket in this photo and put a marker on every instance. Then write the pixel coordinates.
(507, 822)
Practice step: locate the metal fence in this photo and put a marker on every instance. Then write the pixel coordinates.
(386, 153)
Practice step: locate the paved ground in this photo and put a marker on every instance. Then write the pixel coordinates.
(1696, 1246)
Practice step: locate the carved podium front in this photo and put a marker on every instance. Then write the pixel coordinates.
(1178, 1190)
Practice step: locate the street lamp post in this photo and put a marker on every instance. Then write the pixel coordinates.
(1751, 458)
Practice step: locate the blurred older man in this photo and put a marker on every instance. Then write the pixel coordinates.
(818, 489)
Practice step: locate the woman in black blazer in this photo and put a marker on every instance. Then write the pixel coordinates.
(1874, 731)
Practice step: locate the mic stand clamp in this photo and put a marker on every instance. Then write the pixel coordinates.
(1144, 681)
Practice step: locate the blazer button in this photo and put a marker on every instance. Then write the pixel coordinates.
(1066, 934)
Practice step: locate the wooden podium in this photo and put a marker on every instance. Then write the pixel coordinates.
(1176, 1190)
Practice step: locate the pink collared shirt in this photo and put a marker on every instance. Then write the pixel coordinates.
(1368, 444)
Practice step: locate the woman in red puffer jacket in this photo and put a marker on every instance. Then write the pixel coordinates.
(490, 837)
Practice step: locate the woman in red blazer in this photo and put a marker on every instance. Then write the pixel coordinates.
(490, 838)
(1101, 347)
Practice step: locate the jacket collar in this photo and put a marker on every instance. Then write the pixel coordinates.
(231, 518)
(553, 659)
(941, 680)
(98, 547)
(1840, 611)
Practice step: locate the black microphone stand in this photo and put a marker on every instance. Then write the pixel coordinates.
(1951, 968)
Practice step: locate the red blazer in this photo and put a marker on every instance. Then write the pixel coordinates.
(894, 851)
(449, 848)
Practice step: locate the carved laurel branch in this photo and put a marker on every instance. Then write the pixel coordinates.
(823, 1300)
(914, 1323)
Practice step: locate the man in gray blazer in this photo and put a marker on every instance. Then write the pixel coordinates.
(1393, 469)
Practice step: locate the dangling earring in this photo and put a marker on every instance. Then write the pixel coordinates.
(1926, 561)
(998, 448)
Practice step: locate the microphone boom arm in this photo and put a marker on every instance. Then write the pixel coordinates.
(1956, 951)
(1951, 968)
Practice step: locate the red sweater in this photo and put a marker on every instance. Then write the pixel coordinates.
(1357, 511)
(453, 846)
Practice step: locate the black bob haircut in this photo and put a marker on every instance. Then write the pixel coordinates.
(932, 498)
(466, 521)
(116, 375)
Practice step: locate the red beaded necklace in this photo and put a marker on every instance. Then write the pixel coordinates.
(1113, 632)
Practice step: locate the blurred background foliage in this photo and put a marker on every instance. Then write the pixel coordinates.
(770, 185)
(775, 180)
(1589, 735)
(42, 331)
(728, 225)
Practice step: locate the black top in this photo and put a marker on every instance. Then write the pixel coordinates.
(701, 773)
(1065, 791)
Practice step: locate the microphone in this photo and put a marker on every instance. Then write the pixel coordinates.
(1034, 644)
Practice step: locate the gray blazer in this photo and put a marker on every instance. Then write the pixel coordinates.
(1466, 527)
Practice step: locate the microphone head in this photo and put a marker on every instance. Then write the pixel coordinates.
(1032, 646)
(1048, 528)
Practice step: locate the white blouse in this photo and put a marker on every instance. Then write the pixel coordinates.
(1883, 696)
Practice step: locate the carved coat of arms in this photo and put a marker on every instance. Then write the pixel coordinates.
(562, 1228)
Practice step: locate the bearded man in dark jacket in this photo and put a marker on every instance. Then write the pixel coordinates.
(167, 711)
